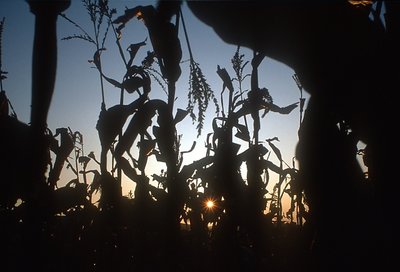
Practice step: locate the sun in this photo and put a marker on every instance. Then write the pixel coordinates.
(210, 204)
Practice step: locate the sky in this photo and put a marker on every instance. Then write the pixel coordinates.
(77, 97)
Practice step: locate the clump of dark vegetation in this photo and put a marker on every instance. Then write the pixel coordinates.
(88, 225)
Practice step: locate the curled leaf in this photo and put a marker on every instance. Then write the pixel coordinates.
(180, 115)
(223, 74)
(136, 77)
(274, 148)
(112, 120)
(145, 149)
(133, 49)
(284, 110)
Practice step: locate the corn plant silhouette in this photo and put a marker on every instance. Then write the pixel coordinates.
(240, 204)
(164, 136)
(142, 231)
(167, 52)
(338, 94)
(30, 198)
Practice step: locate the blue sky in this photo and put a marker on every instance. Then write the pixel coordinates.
(77, 97)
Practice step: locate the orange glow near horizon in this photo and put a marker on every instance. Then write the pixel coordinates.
(360, 2)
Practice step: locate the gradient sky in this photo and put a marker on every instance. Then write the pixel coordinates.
(77, 97)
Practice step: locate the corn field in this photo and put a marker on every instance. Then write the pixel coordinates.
(217, 213)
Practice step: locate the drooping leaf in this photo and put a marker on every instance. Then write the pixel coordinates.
(242, 136)
(145, 149)
(227, 81)
(62, 152)
(111, 121)
(95, 185)
(295, 186)
(113, 82)
(135, 78)
(66, 142)
(259, 101)
(136, 125)
(274, 148)
(164, 39)
(128, 170)
(180, 115)
(139, 123)
(133, 49)
(284, 110)
(97, 62)
(191, 148)
(253, 151)
(132, 84)
(97, 59)
(159, 194)
(242, 133)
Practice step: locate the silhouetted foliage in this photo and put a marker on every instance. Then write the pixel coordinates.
(199, 93)
(217, 213)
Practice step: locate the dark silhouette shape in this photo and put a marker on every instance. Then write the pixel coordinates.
(26, 147)
(14, 140)
(61, 229)
(44, 64)
(346, 61)
(62, 152)
(165, 41)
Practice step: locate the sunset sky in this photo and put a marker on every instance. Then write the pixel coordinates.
(77, 97)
